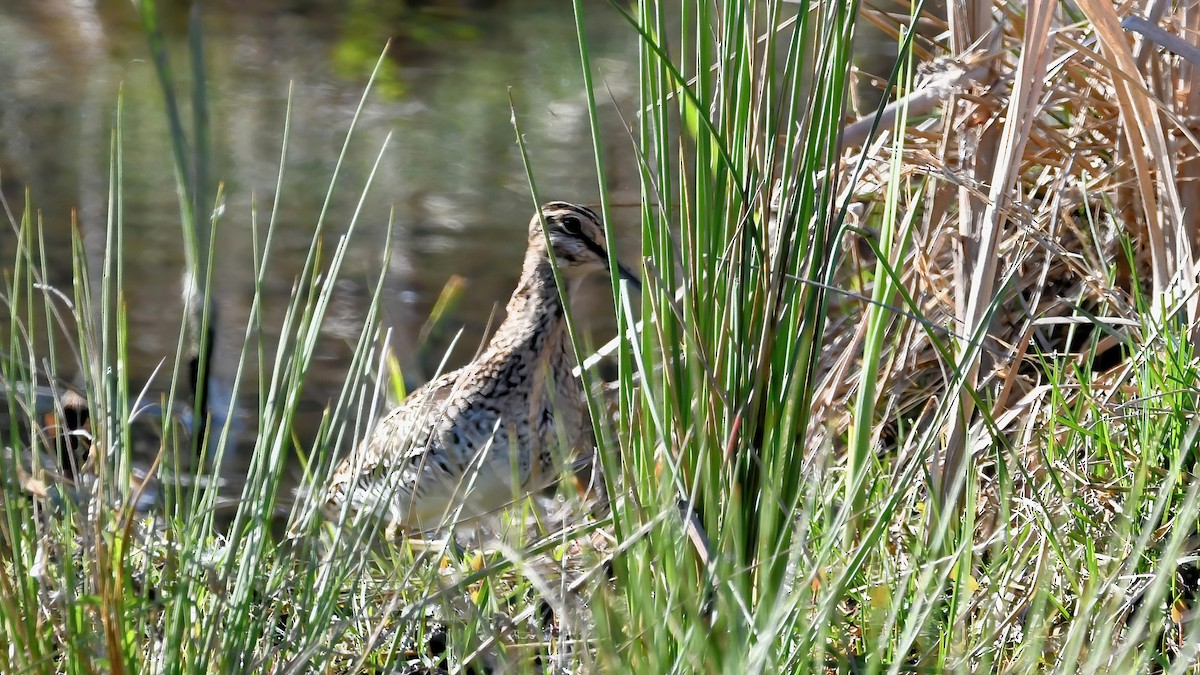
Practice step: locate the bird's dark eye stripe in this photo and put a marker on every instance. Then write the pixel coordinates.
(589, 213)
(577, 230)
(571, 208)
(595, 248)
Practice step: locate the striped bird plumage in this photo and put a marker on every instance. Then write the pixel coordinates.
(470, 441)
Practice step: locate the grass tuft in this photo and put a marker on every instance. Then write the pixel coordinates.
(909, 388)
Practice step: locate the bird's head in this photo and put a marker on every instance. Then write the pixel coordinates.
(577, 240)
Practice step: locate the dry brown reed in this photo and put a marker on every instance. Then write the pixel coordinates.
(1022, 124)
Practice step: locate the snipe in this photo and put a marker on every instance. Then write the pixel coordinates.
(469, 442)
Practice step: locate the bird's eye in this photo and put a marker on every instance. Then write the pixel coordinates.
(572, 225)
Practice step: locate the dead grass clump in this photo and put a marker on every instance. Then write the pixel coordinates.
(1041, 340)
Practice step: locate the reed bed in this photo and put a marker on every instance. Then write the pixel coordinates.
(909, 389)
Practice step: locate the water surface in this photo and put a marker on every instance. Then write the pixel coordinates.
(450, 179)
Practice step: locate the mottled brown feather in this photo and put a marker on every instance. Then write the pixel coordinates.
(472, 440)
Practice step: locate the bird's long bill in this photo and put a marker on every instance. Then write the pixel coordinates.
(625, 273)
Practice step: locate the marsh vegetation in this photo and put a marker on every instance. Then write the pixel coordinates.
(906, 389)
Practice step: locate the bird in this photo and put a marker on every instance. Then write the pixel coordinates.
(469, 442)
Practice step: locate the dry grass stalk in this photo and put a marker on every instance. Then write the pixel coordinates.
(1023, 107)
(1031, 192)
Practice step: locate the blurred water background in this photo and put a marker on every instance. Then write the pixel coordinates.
(451, 178)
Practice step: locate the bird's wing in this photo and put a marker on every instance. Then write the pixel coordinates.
(400, 435)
